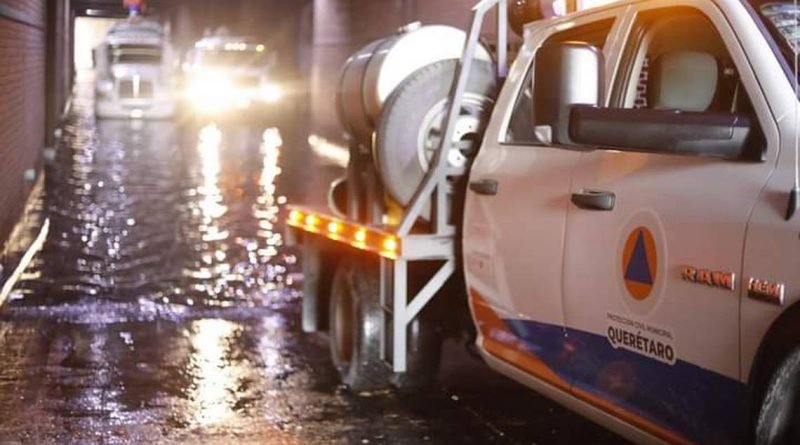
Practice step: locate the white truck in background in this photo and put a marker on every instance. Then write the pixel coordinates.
(617, 214)
(135, 72)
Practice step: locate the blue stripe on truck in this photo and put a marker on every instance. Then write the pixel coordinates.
(695, 402)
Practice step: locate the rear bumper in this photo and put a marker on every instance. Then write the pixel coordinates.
(135, 109)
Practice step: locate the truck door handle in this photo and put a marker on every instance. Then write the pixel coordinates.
(594, 200)
(484, 187)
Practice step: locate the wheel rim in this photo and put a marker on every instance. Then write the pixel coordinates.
(343, 325)
(468, 127)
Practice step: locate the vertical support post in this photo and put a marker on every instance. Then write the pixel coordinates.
(312, 283)
(442, 208)
(437, 172)
(387, 300)
(374, 205)
(400, 290)
(502, 39)
(354, 183)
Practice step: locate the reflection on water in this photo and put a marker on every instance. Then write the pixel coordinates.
(214, 385)
(159, 292)
(148, 217)
(211, 196)
(162, 307)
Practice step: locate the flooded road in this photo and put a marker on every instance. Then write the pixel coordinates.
(163, 308)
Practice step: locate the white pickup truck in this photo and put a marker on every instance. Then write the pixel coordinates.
(134, 72)
(628, 243)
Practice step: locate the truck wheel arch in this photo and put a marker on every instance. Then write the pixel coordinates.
(782, 337)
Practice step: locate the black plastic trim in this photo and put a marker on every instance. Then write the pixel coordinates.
(721, 135)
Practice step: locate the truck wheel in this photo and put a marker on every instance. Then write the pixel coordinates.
(411, 124)
(355, 335)
(778, 421)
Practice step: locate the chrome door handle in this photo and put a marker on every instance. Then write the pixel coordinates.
(594, 200)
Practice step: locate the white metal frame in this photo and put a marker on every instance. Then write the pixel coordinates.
(366, 206)
(399, 310)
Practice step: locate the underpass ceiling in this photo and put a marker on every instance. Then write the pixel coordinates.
(105, 8)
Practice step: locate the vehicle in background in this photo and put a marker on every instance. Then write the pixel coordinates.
(134, 72)
(225, 74)
(618, 211)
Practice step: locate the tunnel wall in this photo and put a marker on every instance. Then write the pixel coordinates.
(60, 65)
(24, 91)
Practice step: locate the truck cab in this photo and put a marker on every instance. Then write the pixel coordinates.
(134, 67)
(635, 261)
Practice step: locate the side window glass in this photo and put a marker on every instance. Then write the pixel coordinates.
(520, 129)
(677, 60)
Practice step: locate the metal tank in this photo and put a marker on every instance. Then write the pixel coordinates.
(373, 72)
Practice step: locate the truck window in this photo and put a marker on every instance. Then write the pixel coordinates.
(135, 54)
(672, 44)
(520, 128)
(676, 60)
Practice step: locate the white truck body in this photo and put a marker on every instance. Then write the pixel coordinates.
(134, 68)
(657, 315)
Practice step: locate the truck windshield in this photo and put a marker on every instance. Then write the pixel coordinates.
(138, 54)
(782, 18)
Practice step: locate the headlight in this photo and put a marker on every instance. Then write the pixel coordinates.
(271, 93)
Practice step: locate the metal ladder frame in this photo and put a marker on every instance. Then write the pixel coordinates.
(399, 310)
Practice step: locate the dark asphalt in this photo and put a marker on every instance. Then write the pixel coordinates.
(164, 308)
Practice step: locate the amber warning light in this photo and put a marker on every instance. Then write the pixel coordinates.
(361, 237)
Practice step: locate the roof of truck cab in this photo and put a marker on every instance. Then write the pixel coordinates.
(597, 9)
(143, 32)
(574, 15)
(131, 26)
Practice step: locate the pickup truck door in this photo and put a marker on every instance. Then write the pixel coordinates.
(515, 217)
(652, 285)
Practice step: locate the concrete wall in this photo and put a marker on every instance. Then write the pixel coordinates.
(25, 31)
(340, 27)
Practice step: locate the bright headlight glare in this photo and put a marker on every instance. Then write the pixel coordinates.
(210, 92)
(271, 93)
(210, 84)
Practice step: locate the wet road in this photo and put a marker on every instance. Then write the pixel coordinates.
(164, 308)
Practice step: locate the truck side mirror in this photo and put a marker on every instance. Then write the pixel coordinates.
(565, 74)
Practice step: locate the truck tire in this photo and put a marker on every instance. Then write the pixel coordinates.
(355, 335)
(778, 421)
(411, 123)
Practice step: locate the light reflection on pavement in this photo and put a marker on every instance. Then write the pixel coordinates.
(163, 308)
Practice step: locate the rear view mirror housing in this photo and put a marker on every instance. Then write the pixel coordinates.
(565, 74)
